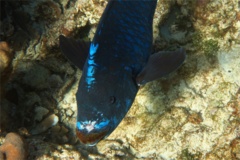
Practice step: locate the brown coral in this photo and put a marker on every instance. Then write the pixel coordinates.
(235, 144)
(238, 16)
(13, 148)
(195, 118)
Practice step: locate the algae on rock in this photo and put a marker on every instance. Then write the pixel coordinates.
(192, 113)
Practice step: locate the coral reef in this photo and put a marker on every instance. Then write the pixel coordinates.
(13, 148)
(191, 114)
(221, 23)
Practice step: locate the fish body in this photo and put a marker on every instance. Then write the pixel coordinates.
(116, 62)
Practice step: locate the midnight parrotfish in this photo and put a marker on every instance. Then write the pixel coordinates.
(114, 65)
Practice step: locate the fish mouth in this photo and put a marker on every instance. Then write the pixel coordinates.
(93, 137)
(90, 132)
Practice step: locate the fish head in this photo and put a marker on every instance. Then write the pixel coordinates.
(102, 107)
(92, 130)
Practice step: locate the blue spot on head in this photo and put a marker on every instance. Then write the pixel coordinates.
(91, 61)
(93, 49)
(79, 126)
(82, 125)
(102, 124)
(91, 65)
(90, 71)
(90, 81)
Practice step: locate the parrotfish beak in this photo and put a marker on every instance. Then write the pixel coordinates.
(91, 139)
(91, 133)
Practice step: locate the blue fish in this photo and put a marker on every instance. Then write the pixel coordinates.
(114, 65)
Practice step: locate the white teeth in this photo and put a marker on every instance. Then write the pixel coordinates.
(90, 126)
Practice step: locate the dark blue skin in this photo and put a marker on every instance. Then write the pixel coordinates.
(118, 62)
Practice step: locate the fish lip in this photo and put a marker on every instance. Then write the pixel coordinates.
(93, 137)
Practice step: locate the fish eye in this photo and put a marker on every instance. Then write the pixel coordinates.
(112, 99)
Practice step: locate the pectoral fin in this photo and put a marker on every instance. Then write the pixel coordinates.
(161, 64)
(75, 51)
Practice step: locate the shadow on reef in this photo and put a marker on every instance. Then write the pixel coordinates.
(114, 147)
(16, 27)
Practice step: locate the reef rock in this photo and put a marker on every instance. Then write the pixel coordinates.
(192, 113)
(48, 122)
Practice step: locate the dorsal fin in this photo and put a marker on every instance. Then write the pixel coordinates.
(75, 51)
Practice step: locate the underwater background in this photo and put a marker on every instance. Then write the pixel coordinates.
(194, 113)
